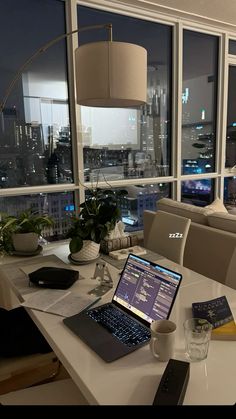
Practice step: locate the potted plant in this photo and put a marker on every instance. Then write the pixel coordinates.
(98, 216)
(21, 233)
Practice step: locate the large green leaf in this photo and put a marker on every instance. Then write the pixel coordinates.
(76, 244)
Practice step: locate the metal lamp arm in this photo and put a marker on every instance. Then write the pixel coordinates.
(44, 48)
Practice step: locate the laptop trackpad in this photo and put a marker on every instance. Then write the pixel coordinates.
(96, 337)
(88, 330)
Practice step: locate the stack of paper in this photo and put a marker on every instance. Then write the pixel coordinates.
(60, 302)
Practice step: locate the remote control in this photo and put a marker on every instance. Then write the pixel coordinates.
(173, 384)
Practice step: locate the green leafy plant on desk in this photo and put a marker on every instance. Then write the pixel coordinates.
(21, 233)
(98, 216)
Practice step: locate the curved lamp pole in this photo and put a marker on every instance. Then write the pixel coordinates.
(44, 48)
(108, 74)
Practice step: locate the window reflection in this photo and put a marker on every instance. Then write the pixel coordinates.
(230, 191)
(197, 192)
(130, 143)
(199, 102)
(138, 199)
(60, 206)
(35, 140)
(232, 47)
(231, 120)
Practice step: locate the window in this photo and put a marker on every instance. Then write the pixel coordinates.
(231, 120)
(129, 143)
(128, 148)
(138, 199)
(232, 47)
(230, 191)
(200, 63)
(35, 140)
(197, 192)
(60, 206)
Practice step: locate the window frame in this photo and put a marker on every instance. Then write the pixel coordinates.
(179, 21)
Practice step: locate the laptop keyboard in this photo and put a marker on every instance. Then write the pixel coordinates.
(124, 328)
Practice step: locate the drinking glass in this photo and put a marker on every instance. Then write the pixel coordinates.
(197, 337)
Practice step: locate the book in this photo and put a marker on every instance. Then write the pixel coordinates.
(60, 302)
(218, 313)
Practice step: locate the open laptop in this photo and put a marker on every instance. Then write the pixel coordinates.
(145, 292)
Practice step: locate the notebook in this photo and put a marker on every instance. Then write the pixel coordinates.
(146, 292)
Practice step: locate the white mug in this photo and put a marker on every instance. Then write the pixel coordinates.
(162, 339)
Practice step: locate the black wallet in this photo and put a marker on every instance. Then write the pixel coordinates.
(50, 277)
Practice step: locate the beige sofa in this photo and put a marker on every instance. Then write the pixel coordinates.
(211, 242)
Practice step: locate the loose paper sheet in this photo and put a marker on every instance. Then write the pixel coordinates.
(59, 302)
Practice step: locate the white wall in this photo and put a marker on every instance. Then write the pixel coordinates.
(219, 13)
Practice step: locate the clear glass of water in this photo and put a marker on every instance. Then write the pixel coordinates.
(197, 334)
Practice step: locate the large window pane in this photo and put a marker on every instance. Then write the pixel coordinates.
(230, 192)
(197, 192)
(60, 206)
(232, 47)
(35, 143)
(138, 199)
(200, 62)
(130, 143)
(231, 120)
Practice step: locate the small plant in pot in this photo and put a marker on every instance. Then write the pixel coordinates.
(21, 233)
(98, 216)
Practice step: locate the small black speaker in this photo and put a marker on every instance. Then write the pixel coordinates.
(173, 385)
(50, 277)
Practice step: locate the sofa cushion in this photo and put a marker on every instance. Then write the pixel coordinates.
(217, 206)
(196, 214)
(223, 221)
(232, 210)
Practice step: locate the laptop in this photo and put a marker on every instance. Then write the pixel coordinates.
(145, 292)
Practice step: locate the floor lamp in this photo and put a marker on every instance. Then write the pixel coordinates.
(108, 73)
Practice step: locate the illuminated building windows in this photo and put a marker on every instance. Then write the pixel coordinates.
(200, 61)
(197, 192)
(130, 143)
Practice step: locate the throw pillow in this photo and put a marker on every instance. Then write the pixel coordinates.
(217, 206)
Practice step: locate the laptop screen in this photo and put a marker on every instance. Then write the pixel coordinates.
(146, 289)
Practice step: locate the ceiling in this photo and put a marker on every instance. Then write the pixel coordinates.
(221, 10)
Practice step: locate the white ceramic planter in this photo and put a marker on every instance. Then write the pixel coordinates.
(89, 251)
(25, 242)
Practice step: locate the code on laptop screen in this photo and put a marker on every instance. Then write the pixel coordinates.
(147, 289)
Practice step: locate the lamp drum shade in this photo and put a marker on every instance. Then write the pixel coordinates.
(111, 74)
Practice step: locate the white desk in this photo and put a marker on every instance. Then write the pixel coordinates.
(134, 378)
